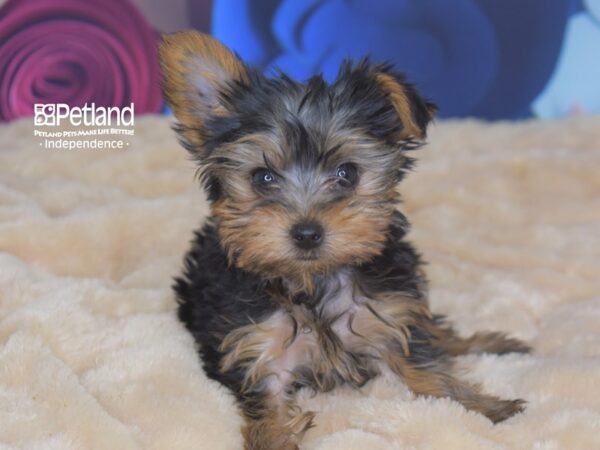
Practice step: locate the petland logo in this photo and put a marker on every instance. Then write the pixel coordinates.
(51, 114)
(81, 127)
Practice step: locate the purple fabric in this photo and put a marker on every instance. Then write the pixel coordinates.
(76, 52)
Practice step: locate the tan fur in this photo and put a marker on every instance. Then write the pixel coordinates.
(270, 351)
(257, 239)
(180, 56)
(481, 342)
(249, 150)
(356, 231)
(355, 147)
(402, 106)
(437, 381)
(387, 321)
(257, 346)
(277, 431)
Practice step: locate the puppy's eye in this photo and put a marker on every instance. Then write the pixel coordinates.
(263, 177)
(347, 173)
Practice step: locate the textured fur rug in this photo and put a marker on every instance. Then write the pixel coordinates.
(92, 356)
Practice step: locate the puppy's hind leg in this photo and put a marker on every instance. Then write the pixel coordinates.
(432, 376)
(480, 342)
(437, 383)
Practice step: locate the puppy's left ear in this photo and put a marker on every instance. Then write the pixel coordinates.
(198, 71)
(414, 112)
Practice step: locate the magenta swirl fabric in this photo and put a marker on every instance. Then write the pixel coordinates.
(76, 52)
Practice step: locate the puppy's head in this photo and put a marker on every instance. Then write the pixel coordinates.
(301, 176)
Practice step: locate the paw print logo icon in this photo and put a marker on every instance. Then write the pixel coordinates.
(44, 114)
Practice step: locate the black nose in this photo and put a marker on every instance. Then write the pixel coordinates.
(307, 235)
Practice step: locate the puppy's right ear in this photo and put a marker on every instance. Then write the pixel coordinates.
(196, 70)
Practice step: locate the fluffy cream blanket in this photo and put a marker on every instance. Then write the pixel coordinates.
(92, 356)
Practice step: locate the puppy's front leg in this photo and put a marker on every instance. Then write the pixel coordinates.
(266, 355)
(274, 421)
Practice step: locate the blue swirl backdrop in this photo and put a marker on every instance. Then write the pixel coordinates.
(494, 59)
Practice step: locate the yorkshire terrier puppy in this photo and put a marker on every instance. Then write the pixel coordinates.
(301, 277)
